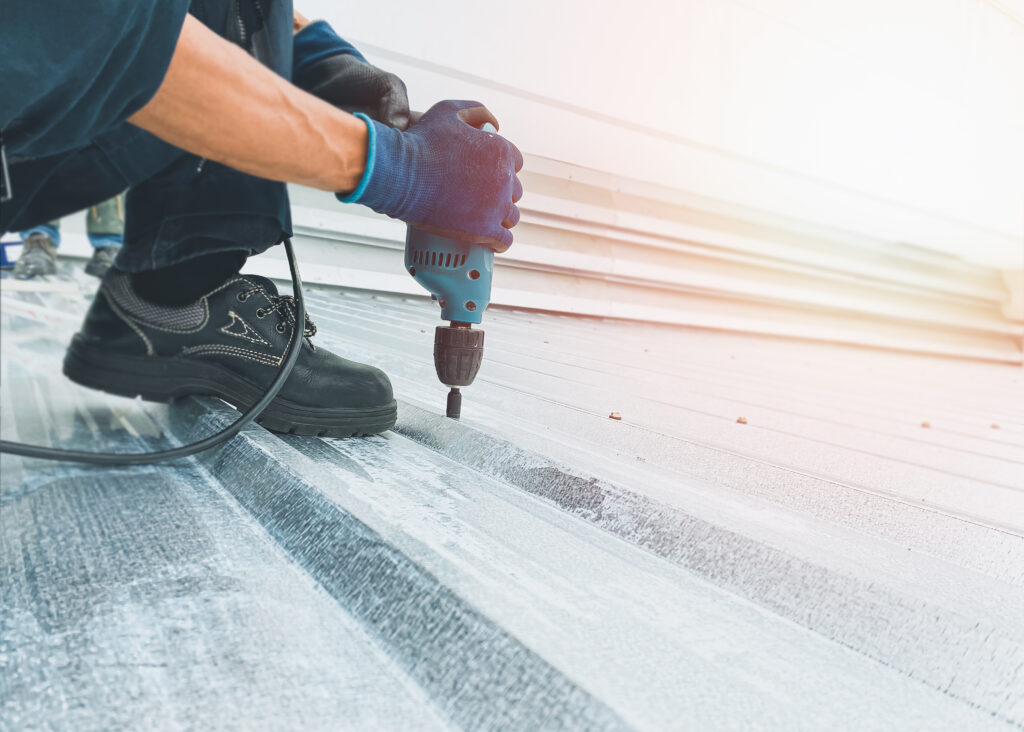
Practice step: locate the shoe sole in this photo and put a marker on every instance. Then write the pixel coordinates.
(160, 379)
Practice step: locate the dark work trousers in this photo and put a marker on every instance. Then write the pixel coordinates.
(178, 206)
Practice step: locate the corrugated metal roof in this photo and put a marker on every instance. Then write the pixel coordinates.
(777, 533)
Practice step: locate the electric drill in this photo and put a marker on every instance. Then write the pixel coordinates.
(458, 274)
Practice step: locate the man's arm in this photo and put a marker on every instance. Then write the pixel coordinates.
(443, 173)
(218, 102)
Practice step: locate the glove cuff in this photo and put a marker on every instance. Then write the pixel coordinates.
(316, 41)
(371, 161)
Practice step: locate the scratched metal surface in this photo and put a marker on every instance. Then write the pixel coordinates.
(829, 564)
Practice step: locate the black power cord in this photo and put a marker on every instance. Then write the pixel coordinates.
(218, 438)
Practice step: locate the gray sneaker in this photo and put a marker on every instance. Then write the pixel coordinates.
(101, 261)
(38, 257)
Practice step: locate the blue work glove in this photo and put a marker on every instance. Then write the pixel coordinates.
(445, 175)
(329, 67)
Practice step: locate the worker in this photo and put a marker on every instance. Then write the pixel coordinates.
(104, 226)
(194, 110)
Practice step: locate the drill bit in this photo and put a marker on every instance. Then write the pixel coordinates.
(454, 408)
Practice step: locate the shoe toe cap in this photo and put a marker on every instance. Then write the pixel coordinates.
(328, 380)
(372, 386)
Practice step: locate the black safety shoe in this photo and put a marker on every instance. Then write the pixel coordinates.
(229, 343)
(38, 257)
(101, 261)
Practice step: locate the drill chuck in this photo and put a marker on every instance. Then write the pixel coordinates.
(458, 353)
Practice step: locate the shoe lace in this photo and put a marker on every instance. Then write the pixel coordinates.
(284, 306)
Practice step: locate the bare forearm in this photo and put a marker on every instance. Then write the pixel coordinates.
(218, 102)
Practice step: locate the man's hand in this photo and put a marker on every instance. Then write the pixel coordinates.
(445, 175)
(330, 68)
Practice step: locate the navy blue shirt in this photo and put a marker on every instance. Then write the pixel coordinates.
(71, 70)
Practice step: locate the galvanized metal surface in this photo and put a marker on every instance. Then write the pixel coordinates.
(830, 563)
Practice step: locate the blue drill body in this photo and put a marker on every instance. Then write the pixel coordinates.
(457, 273)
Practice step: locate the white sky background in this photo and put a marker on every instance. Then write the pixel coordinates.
(918, 102)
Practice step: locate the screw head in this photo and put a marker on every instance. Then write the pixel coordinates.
(470, 305)
(412, 271)
(474, 274)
